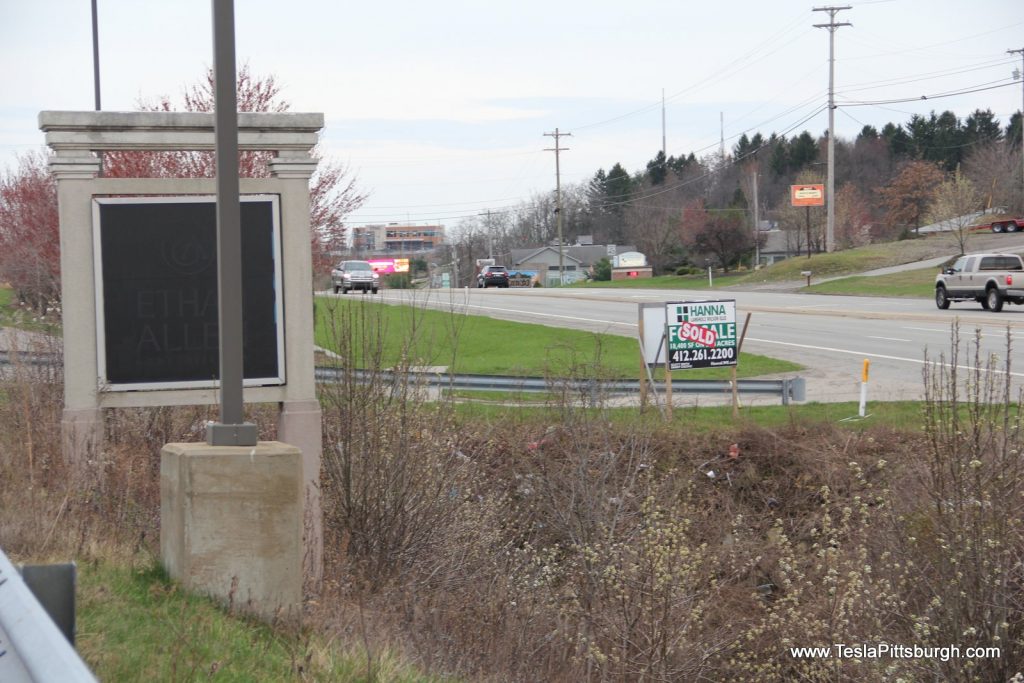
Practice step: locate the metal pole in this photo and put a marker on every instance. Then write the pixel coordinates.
(807, 211)
(96, 68)
(95, 55)
(230, 431)
(664, 148)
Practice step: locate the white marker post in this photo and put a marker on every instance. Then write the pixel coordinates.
(864, 388)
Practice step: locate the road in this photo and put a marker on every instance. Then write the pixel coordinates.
(829, 335)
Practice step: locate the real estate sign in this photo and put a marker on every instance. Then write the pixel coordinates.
(701, 334)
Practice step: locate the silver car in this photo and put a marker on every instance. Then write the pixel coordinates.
(354, 275)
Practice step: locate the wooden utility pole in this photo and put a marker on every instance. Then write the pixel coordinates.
(830, 192)
(558, 200)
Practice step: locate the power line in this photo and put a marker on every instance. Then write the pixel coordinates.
(936, 96)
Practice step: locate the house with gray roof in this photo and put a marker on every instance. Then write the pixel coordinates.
(577, 260)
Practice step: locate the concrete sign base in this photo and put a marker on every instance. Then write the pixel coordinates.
(231, 524)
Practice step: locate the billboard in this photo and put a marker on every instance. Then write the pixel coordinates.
(807, 195)
(386, 266)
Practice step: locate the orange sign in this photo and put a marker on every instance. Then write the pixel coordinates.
(807, 195)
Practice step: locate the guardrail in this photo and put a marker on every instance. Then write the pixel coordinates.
(32, 648)
(787, 388)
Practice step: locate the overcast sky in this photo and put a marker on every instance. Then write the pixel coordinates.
(440, 107)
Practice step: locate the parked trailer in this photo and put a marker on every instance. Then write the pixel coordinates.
(1004, 225)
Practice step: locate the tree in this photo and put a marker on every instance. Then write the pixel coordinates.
(725, 237)
(802, 151)
(29, 232)
(867, 133)
(333, 190)
(603, 269)
(897, 139)
(653, 226)
(907, 196)
(981, 127)
(955, 202)
(853, 217)
(779, 163)
(994, 169)
(657, 169)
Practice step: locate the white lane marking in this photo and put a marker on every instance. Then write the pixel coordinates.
(918, 361)
(889, 338)
(945, 330)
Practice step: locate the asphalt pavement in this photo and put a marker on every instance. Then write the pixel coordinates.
(829, 335)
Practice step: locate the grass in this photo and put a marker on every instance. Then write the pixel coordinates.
(135, 625)
(839, 263)
(13, 315)
(666, 282)
(909, 283)
(471, 344)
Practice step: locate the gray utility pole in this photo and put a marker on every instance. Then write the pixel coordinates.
(757, 220)
(95, 55)
(1021, 53)
(558, 200)
(830, 229)
(664, 150)
(230, 431)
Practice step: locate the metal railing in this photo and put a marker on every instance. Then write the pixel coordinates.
(787, 388)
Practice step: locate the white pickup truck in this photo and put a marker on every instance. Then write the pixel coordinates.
(989, 279)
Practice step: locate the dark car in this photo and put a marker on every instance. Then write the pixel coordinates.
(354, 275)
(492, 276)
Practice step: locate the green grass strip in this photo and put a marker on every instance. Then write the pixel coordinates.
(909, 283)
(135, 625)
(381, 335)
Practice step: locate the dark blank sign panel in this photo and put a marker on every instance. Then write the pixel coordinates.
(158, 279)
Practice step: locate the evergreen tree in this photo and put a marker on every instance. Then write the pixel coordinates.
(779, 163)
(802, 151)
(657, 169)
(618, 186)
(897, 139)
(1013, 129)
(867, 133)
(981, 126)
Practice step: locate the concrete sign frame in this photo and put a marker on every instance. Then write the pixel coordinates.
(76, 138)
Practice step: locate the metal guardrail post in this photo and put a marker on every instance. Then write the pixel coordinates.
(799, 389)
(32, 648)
